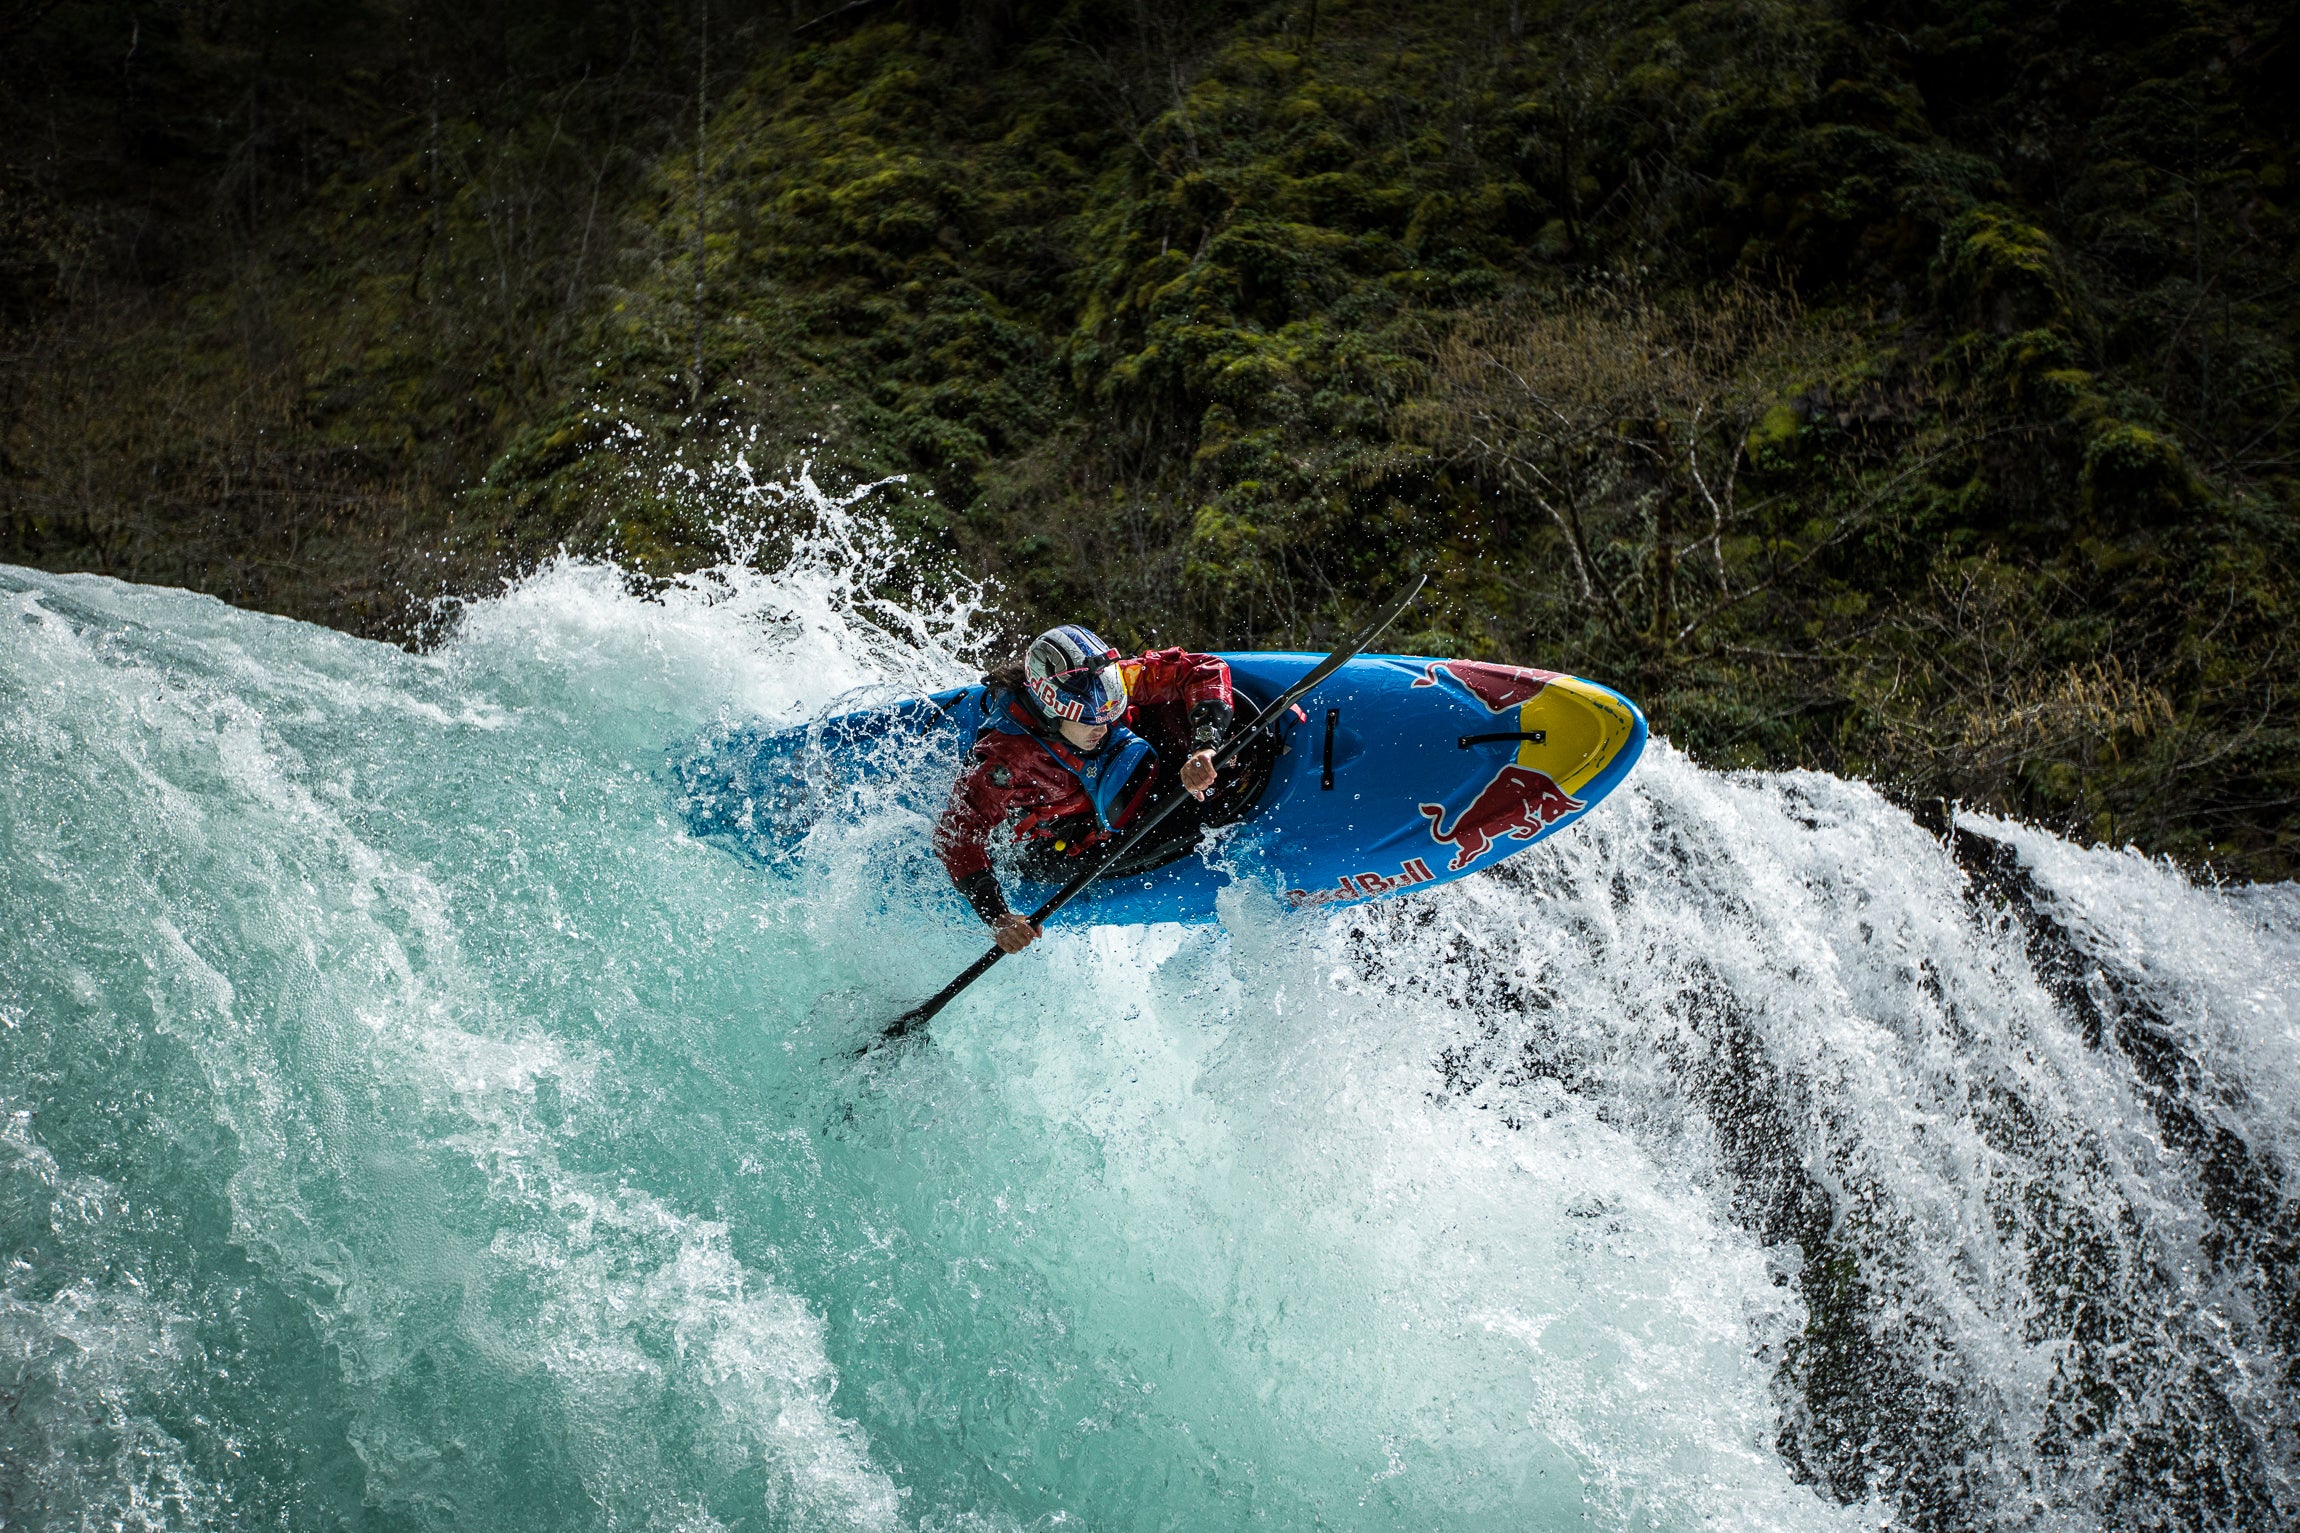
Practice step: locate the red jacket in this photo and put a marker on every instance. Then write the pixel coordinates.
(1014, 782)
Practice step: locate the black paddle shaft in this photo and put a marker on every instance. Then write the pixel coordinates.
(918, 1016)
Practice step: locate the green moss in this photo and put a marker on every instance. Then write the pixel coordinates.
(1183, 291)
(2135, 478)
(2002, 274)
(1773, 442)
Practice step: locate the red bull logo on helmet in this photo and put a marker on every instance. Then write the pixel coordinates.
(1518, 804)
(1499, 687)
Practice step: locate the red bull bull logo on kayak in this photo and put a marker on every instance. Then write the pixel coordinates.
(1363, 886)
(1518, 803)
(1499, 687)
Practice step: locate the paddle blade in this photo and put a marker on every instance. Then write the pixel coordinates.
(921, 1014)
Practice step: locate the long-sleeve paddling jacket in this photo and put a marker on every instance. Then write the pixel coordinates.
(1022, 778)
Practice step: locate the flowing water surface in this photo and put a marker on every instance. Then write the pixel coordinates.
(404, 1124)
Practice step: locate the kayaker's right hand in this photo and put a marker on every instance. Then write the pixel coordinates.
(1014, 932)
(1198, 774)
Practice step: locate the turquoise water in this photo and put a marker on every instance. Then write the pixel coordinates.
(404, 1124)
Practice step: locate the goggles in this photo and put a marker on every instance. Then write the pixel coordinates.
(1089, 694)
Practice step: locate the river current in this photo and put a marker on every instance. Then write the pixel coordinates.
(405, 1124)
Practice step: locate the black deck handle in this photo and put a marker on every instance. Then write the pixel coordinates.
(1326, 781)
(1537, 736)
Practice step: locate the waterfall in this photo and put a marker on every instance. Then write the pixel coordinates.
(403, 1122)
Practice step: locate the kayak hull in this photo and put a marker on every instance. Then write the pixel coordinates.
(1397, 773)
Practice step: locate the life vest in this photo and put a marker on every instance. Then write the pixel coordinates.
(1103, 775)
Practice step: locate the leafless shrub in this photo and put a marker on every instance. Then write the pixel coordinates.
(1626, 422)
(1969, 694)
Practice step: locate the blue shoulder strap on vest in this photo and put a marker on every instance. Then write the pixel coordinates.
(967, 712)
(1109, 769)
(1103, 775)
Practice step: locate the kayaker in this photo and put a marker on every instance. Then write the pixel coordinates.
(1063, 765)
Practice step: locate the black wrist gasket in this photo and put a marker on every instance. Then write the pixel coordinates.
(982, 892)
(1209, 722)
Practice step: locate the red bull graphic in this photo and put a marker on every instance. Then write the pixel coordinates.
(1499, 687)
(1517, 804)
(1363, 886)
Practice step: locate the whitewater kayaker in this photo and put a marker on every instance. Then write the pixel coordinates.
(1069, 755)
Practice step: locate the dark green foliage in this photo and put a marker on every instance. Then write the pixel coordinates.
(1184, 319)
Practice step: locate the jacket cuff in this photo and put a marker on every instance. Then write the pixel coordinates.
(1209, 722)
(982, 892)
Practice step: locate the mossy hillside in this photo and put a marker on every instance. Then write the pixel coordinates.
(1180, 318)
(1238, 282)
(1231, 299)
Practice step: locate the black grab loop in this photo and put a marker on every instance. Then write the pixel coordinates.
(1537, 736)
(1326, 781)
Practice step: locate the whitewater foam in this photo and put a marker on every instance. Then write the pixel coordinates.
(408, 1120)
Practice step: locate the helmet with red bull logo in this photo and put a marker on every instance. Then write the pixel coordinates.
(1073, 675)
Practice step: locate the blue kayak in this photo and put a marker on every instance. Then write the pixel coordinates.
(1396, 773)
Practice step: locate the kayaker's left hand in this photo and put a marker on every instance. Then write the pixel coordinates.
(1198, 774)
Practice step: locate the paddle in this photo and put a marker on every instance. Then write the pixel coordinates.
(919, 1015)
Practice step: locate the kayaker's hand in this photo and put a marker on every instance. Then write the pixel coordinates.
(1013, 933)
(1198, 774)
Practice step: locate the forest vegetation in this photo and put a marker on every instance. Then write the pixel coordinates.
(1904, 389)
